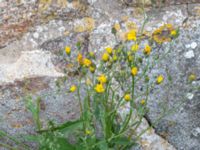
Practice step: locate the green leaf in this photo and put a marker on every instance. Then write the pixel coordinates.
(31, 138)
(102, 145)
(65, 127)
(50, 141)
(34, 109)
(121, 141)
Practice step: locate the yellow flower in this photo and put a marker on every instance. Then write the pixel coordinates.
(169, 26)
(131, 35)
(88, 132)
(115, 58)
(88, 81)
(163, 34)
(127, 97)
(147, 50)
(131, 25)
(102, 78)
(109, 50)
(117, 26)
(72, 88)
(67, 50)
(87, 62)
(99, 88)
(192, 77)
(80, 58)
(142, 102)
(135, 47)
(91, 54)
(159, 79)
(92, 69)
(130, 58)
(173, 33)
(105, 57)
(134, 71)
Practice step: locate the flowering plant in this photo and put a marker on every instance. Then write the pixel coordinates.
(111, 105)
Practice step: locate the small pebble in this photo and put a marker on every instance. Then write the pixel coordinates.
(187, 46)
(36, 35)
(193, 45)
(189, 54)
(61, 29)
(190, 96)
(196, 132)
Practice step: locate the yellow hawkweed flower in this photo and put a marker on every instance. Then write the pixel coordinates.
(135, 47)
(147, 50)
(88, 81)
(115, 58)
(142, 102)
(91, 54)
(163, 34)
(173, 33)
(67, 50)
(72, 88)
(192, 77)
(109, 50)
(127, 97)
(117, 26)
(80, 58)
(88, 132)
(105, 57)
(159, 79)
(130, 57)
(92, 69)
(134, 71)
(99, 88)
(131, 35)
(87, 62)
(102, 78)
(169, 26)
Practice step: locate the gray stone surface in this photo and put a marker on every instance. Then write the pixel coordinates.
(91, 23)
(179, 127)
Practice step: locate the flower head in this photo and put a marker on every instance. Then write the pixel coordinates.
(105, 57)
(131, 35)
(127, 97)
(87, 62)
(99, 88)
(130, 57)
(115, 58)
(72, 88)
(80, 58)
(88, 132)
(134, 71)
(147, 50)
(109, 50)
(142, 102)
(173, 33)
(88, 81)
(67, 50)
(92, 69)
(91, 54)
(117, 26)
(102, 78)
(159, 79)
(192, 77)
(135, 47)
(163, 33)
